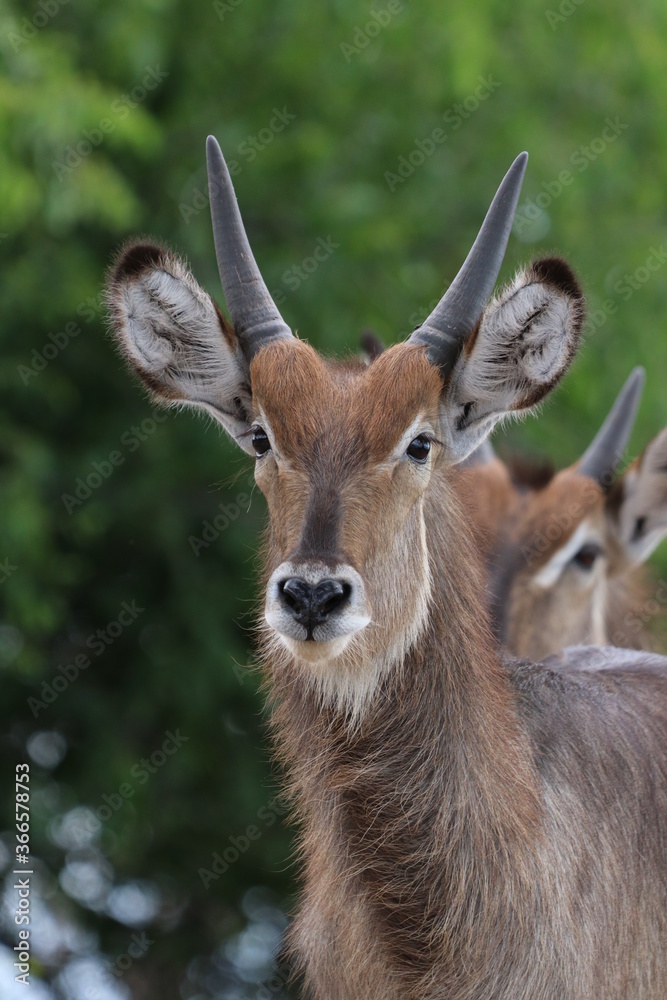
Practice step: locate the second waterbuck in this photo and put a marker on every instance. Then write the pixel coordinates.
(470, 828)
(564, 551)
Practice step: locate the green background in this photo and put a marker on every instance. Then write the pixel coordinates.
(82, 168)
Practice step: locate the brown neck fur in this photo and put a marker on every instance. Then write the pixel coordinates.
(429, 799)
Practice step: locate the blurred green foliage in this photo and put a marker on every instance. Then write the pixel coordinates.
(104, 109)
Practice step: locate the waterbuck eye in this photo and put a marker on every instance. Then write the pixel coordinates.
(260, 441)
(419, 448)
(586, 556)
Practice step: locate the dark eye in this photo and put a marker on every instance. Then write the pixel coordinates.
(586, 556)
(260, 441)
(419, 448)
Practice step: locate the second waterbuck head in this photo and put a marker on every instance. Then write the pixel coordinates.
(565, 551)
(449, 843)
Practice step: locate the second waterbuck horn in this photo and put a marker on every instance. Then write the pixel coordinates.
(471, 828)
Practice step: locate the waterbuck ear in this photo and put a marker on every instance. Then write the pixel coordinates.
(638, 503)
(521, 348)
(371, 346)
(175, 338)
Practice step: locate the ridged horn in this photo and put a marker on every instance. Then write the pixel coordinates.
(253, 312)
(605, 451)
(458, 312)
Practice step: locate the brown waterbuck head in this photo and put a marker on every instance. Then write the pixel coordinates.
(564, 550)
(347, 455)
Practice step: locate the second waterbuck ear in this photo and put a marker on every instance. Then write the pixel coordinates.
(175, 338)
(638, 504)
(520, 349)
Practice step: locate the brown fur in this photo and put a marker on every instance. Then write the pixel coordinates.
(521, 516)
(449, 845)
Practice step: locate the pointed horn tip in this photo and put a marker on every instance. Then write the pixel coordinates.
(607, 447)
(213, 152)
(638, 375)
(518, 168)
(630, 392)
(634, 384)
(455, 316)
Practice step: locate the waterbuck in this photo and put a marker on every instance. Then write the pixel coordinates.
(469, 827)
(564, 551)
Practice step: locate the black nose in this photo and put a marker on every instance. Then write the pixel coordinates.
(311, 604)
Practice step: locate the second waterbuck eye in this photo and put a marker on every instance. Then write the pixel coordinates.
(419, 448)
(260, 441)
(587, 555)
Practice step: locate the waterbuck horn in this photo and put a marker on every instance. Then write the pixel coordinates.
(253, 312)
(600, 459)
(458, 312)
